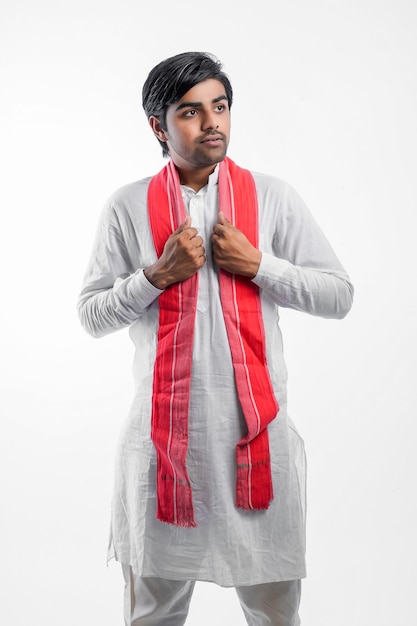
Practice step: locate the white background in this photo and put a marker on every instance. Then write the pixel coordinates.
(325, 98)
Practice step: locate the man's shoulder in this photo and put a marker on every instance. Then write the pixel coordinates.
(135, 191)
(127, 203)
(271, 186)
(268, 180)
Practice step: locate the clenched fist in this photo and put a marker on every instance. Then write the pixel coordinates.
(182, 257)
(232, 251)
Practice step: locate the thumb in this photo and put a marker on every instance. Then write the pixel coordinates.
(223, 219)
(186, 224)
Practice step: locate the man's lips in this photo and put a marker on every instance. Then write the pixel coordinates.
(212, 139)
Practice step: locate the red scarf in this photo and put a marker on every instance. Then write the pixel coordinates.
(172, 374)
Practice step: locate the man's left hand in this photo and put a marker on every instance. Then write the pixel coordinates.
(232, 251)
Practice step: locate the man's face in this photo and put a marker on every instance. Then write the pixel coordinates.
(198, 126)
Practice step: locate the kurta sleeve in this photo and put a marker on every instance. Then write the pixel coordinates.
(302, 271)
(114, 292)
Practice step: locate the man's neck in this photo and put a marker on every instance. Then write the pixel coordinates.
(195, 178)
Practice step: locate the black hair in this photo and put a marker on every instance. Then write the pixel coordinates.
(168, 81)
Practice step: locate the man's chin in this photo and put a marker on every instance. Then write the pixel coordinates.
(206, 160)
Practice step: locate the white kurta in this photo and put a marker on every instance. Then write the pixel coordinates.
(230, 546)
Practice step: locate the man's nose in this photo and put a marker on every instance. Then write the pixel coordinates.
(210, 121)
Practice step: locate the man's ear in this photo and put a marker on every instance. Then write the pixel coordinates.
(158, 131)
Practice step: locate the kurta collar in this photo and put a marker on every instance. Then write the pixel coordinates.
(212, 182)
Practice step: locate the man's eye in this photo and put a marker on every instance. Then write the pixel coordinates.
(190, 113)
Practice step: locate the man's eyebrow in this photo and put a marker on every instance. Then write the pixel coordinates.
(196, 105)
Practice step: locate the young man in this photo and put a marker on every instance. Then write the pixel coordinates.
(197, 260)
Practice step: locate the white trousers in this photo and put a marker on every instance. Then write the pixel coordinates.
(161, 602)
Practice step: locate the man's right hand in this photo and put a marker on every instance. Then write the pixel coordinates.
(182, 257)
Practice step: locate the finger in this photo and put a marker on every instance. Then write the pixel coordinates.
(218, 229)
(193, 232)
(198, 241)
